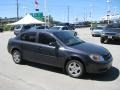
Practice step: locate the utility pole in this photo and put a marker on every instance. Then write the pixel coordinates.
(108, 11)
(45, 12)
(68, 9)
(17, 10)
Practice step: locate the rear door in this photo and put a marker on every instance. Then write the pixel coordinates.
(28, 46)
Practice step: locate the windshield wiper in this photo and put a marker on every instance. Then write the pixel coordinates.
(75, 43)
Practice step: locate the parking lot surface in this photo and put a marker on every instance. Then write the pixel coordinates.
(31, 76)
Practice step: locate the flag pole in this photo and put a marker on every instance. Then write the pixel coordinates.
(45, 13)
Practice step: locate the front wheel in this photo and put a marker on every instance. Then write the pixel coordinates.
(74, 68)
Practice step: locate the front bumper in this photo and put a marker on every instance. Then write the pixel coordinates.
(112, 37)
(99, 67)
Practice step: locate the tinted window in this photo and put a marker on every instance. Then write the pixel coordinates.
(68, 38)
(18, 27)
(27, 27)
(40, 27)
(30, 37)
(45, 39)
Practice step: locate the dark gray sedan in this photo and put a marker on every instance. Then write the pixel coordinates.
(111, 32)
(61, 49)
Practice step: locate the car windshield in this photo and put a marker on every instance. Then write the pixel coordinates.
(99, 28)
(55, 28)
(114, 26)
(68, 38)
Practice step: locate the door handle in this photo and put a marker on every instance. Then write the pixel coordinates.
(39, 48)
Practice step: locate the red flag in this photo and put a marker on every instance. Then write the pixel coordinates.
(37, 5)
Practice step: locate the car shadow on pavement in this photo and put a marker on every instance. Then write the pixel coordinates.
(44, 67)
(114, 42)
(110, 75)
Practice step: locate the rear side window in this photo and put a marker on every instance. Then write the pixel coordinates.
(45, 39)
(30, 37)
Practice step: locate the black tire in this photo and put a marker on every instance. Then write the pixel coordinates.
(74, 68)
(17, 58)
(93, 35)
(75, 34)
(102, 40)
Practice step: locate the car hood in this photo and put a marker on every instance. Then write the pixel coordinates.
(89, 48)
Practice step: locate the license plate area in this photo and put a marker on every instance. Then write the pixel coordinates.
(110, 37)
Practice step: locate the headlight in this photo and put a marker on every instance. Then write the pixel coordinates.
(96, 57)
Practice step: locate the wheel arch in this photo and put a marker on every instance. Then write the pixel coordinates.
(14, 49)
(75, 58)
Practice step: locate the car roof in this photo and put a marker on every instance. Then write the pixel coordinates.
(46, 31)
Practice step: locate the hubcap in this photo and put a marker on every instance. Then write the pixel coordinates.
(16, 57)
(74, 69)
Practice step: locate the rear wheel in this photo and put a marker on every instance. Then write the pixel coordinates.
(17, 58)
(74, 68)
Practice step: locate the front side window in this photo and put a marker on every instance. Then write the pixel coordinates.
(30, 37)
(68, 38)
(46, 39)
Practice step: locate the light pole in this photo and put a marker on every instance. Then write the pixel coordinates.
(108, 11)
(68, 9)
(17, 5)
(91, 14)
(45, 12)
(25, 10)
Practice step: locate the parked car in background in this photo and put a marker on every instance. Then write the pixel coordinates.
(111, 32)
(63, 28)
(61, 49)
(40, 27)
(21, 28)
(97, 31)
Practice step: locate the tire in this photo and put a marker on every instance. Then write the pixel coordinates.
(75, 68)
(93, 35)
(17, 58)
(75, 34)
(102, 40)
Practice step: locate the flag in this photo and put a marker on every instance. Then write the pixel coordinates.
(37, 5)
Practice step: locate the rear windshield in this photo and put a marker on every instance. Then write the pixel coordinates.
(99, 27)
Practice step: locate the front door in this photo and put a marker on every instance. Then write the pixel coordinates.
(46, 53)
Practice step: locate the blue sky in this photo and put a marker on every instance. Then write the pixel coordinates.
(58, 8)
